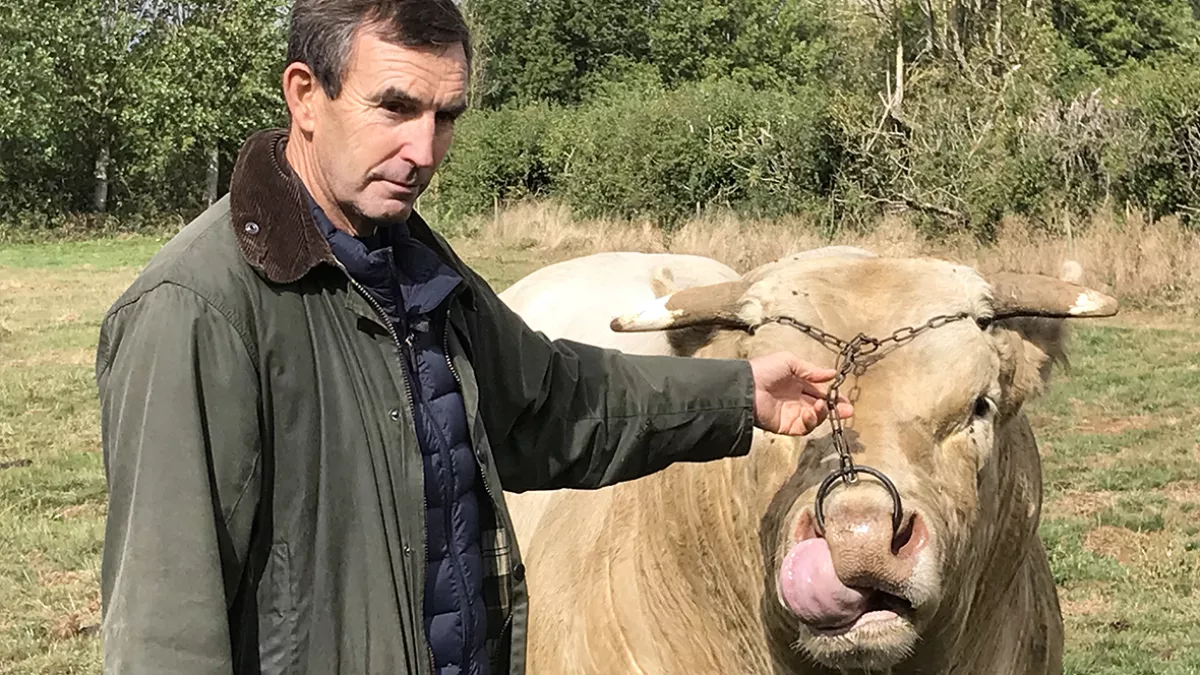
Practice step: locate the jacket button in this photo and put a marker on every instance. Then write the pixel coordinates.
(251, 228)
(395, 415)
(519, 572)
(407, 550)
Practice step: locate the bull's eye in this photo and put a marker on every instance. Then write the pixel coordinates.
(984, 322)
(983, 406)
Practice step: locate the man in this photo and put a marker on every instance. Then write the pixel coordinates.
(310, 405)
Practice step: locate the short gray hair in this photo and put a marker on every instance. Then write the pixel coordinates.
(321, 31)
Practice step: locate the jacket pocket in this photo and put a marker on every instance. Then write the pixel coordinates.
(277, 617)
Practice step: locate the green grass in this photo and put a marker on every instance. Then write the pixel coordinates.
(95, 253)
(1120, 434)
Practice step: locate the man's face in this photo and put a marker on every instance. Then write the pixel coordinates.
(379, 142)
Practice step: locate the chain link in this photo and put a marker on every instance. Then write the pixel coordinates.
(848, 359)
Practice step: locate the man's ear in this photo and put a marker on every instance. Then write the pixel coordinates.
(301, 90)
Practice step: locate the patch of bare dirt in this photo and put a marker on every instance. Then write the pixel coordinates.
(53, 578)
(1117, 425)
(82, 621)
(1080, 503)
(1124, 545)
(1153, 554)
(1186, 491)
(93, 509)
(1078, 604)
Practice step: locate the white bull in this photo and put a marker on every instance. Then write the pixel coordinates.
(719, 567)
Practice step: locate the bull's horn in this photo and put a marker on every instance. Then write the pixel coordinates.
(1036, 295)
(714, 305)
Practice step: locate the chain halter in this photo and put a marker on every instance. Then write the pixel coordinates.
(850, 360)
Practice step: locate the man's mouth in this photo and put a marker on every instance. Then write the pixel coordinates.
(402, 187)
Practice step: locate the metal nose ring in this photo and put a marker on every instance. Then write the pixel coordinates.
(848, 472)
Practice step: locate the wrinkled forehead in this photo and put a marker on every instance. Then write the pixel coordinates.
(876, 296)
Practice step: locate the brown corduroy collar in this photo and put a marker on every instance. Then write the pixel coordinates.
(271, 218)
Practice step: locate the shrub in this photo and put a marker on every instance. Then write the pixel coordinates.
(708, 144)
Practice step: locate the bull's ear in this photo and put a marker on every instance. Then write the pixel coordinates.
(1031, 348)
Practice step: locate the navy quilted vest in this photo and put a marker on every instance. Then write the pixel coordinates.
(398, 270)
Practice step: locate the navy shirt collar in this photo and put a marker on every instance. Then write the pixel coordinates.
(395, 267)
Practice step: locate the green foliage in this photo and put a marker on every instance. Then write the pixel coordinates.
(642, 108)
(498, 155)
(207, 83)
(549, 50)
(1163, 169)
(710, 144)
(1112, 33)
(150, 86)
(562, 50)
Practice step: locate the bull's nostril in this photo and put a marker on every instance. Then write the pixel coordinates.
(911, 538)
(903, 536)
(806, 527)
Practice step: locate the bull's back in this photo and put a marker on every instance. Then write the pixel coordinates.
(575, 299)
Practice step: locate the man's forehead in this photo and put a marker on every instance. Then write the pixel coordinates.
(425, 72)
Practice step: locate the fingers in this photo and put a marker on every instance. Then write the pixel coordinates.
(810, 419)
(844, 408)
(809, 372)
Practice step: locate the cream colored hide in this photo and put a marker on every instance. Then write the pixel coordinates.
(717, 567)
(575, 299)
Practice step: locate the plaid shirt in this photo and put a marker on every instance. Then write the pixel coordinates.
(497, 585)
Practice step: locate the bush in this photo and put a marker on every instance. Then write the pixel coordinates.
(497, 155)
(1163, 172)
(703, 145)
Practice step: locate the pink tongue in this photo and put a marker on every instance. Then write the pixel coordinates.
(812, 589)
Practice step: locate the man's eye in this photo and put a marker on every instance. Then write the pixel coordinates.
(401, 109)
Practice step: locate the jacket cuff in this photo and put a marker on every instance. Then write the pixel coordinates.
(727, 429)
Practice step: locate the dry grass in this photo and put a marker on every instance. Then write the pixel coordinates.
(1143, 263)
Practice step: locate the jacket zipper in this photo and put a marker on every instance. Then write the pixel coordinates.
(482, 474)
(411, 407)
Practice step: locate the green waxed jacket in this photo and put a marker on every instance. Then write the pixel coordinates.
(265, 482)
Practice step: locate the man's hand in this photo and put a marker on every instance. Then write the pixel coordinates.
(789, 394)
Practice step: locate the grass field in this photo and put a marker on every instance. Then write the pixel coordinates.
(1120, 435)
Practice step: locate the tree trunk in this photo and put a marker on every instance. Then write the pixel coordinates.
(212, 175)
(955, 25)
(930, 26)
(100, 195)
(998, 32)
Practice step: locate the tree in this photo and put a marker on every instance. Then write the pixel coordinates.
(551, 50)
(1112, 33)
(210, 79)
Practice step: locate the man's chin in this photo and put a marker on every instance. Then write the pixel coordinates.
(385, 213)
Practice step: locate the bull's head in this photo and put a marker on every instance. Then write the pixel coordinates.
(941, 416)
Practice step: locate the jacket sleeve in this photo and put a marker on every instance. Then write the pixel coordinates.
(180, 432)
(562, 414)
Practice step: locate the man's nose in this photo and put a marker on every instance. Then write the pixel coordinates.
(417, 140)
